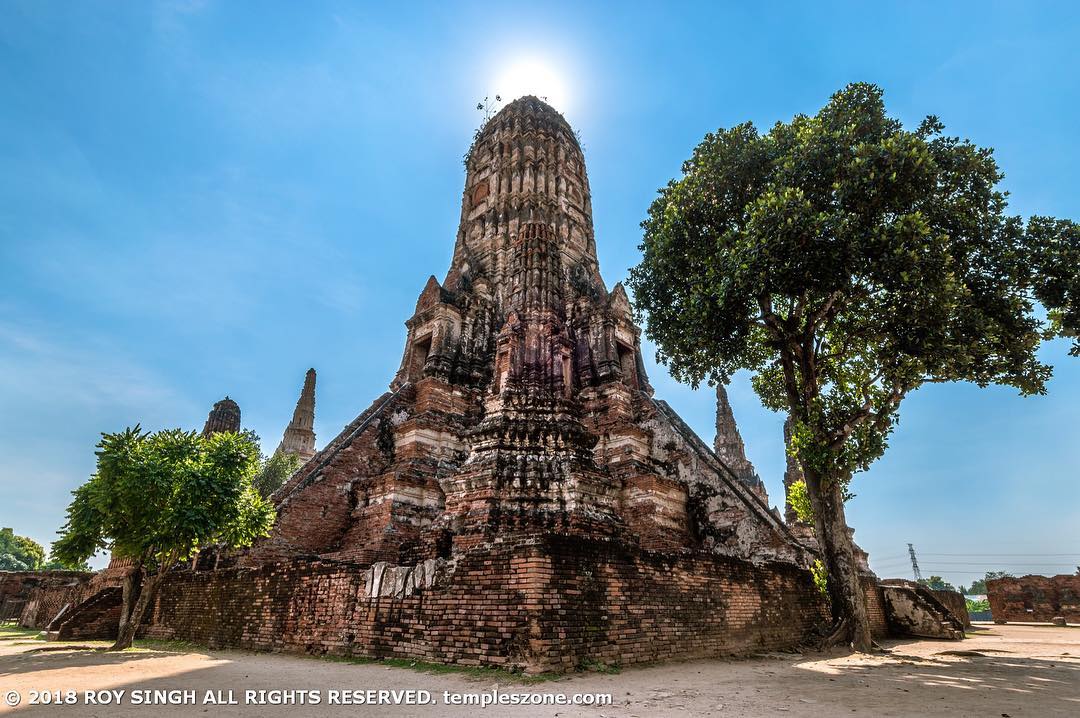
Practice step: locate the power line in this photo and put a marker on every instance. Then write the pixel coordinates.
(993, 563)
(1002, 554)
(977, 573)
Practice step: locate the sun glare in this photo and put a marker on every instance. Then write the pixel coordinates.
(532, 77)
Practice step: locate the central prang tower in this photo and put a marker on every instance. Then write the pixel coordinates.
(523, 319)
(521, 407)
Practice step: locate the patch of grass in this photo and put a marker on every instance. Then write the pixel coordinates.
(10, 632)
(154, 644)
(593, 666)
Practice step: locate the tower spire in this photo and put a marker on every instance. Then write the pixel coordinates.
(299, 437)
(525, 170)
(224, 417)
(728, 443)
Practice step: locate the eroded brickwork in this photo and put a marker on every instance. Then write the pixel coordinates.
(728, 443)
(875, 608)
(223, 418)
(1034, 598)
(42, 593)
(551, 603)
(50, 592)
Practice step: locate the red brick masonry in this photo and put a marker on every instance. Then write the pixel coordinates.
(1034, 598)
(44, 593)
(550, 603)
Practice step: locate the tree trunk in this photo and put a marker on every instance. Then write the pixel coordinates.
(127, 631)
(131, 592)
(838, 554)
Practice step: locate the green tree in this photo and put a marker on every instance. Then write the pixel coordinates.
(937, 583)
(845, 262)
(55, 564)
(1055, 246)
(11, 562)
(274, 470)
(978, 586)
(19, 553)
(159, 498)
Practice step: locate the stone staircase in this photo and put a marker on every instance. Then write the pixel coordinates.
(97, 617)
(913, 610)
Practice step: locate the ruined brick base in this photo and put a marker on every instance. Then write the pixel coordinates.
(1035, 598)
(41, 594)
(551, 603)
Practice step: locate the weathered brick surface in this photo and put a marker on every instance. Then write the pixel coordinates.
(20, 584)
(96, 617)
(956, 603)
(44, 592)
(1034, 598)
(875, 608)
(549, 603)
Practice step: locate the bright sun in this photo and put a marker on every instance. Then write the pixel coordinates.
(532, 77)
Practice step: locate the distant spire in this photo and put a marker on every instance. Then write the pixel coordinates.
(728, 443)
(299, 437)
(224, 417)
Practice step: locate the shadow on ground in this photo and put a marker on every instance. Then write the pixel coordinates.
(53, 656)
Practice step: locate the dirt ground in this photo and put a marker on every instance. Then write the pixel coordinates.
(1011, 670)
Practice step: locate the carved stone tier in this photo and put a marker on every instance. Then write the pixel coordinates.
(521, 405)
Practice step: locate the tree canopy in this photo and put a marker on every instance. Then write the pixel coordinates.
(159, 498)
(844, 261)
(937, 583)
(978, 586)
(1055, 248)
(19, 553)
(274, 470)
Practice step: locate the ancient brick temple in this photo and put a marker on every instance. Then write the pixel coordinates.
(522, 406)
(518, 496)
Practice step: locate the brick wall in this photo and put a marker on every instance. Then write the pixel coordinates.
(551, 603)
(45, 592)
(1034, 598)
(875, 608)
(20, 584)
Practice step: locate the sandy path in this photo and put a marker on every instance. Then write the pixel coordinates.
(1023, 671)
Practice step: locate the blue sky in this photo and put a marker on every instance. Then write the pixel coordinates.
(207, 198)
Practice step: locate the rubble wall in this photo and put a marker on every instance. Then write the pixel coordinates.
(551, 603)
(45, 592)
(1034, 598)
